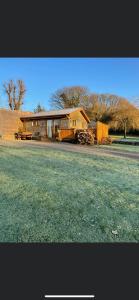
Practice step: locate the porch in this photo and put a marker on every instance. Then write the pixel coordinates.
(46, 129)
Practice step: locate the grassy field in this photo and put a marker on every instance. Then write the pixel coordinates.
(128, 138)
(121, 147)
(56, 196)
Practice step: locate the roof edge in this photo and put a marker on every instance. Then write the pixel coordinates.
(36, 116)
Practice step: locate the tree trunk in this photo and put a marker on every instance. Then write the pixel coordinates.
(125, 130)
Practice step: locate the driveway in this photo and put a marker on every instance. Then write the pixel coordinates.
(92, 150)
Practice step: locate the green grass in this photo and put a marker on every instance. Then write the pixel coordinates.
(121, 147)
(128, 138)
(55, 196)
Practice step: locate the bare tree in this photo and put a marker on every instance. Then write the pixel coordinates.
(8, 87)
(21, 89)
(101, 107)
(135, 101)
(39, 108)
(15, 92)
(69, 97)
(108, 108)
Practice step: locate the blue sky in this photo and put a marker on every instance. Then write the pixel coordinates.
(43, 76)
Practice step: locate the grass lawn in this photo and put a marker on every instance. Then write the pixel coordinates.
(57, 196)
(121, 147)
(128, 138)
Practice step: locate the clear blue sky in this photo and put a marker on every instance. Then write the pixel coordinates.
(43, 76)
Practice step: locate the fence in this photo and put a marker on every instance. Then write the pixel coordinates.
(101, 131)
(66, 134)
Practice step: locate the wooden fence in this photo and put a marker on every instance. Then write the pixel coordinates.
(66, 134)
(101, 131)
(10, 123)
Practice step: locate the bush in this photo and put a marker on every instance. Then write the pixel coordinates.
(85, 136)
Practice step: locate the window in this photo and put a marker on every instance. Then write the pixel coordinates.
(74, 123)
(35, 123)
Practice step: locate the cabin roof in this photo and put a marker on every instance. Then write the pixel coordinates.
(56, 113)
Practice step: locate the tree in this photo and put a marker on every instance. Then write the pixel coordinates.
(113, 110)
(69, 97)
(108, 108)
(15, 92)
(126, 115)
(39, 108)
(101, 107)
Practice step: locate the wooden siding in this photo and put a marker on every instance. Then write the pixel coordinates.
(81, 122)
(40, 126)
(37, 127)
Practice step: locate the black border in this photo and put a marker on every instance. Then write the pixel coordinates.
(69, 29)
(29, 271)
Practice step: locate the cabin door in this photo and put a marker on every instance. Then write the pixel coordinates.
(49, 128)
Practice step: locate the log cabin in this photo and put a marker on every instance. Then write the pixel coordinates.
(56, 124)
(50, 125)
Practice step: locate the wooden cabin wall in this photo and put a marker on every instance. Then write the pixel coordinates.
(81, 123)
(36, 127)
(40, 126)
